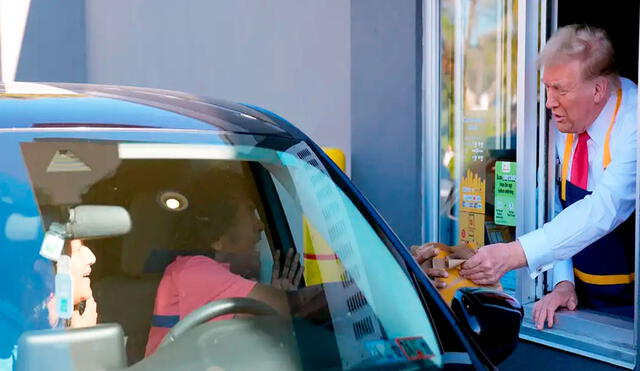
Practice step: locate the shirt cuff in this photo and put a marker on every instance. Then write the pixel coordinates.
(563, 271)
(537, 251)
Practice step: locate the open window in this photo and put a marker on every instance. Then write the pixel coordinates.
(480, 82)
(600, 335)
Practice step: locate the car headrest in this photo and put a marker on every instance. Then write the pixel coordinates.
(157, 236)
(153, 230)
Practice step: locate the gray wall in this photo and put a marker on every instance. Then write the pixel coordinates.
(385, 109)
(53, 47)
(345, 72)
(289, 56)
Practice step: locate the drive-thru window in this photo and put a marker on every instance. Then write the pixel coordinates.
(489, 173)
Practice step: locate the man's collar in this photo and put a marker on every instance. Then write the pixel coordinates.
(598, 129)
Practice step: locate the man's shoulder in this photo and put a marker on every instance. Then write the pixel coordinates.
(629, 110)
(629, 91)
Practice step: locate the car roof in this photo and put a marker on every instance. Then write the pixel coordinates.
(45, 105)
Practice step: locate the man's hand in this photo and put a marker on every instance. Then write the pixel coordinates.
(291, 274)
(562, 296)
(423, 256)
(88, 318)
(491, 262)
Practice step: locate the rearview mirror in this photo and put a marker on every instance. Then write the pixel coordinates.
(97, 221)
(85, 222)
(492, 318)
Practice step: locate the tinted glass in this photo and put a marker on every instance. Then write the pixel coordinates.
(209, 220)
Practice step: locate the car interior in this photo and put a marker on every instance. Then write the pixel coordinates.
(333, 322)
(128, 268)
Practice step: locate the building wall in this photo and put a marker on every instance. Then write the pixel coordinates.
(345, 72)
(385, 110)
(289, 56)
(42, 40)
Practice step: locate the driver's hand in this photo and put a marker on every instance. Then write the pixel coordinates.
(289, 278)
(424, 256)
(88, 318)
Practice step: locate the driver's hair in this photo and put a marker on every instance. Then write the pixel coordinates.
(214, 202)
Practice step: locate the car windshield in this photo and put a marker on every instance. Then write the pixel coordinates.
(206, 219)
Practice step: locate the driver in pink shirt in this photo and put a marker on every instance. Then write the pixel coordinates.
(225, 220)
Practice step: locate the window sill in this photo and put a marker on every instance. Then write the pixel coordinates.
(586, 333)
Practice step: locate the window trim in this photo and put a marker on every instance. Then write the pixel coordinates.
(277, 224)
(636, 319)
(527, 133)
(615, 346)
(430, 149)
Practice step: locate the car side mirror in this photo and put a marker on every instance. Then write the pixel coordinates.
(492, 318)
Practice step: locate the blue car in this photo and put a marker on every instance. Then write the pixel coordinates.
(144, 229)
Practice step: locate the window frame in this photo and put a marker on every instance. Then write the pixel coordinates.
(277, 225)
(618, 345)
(537, 19)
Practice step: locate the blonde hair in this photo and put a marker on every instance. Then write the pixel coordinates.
(591, 45)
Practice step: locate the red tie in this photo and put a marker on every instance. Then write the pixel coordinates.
(580, 164)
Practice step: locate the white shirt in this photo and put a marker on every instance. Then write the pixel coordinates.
(612, 200)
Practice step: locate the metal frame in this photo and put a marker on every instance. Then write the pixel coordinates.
(430, 120)
(460, 34)
(546, 154)
(587, 333)
(527, 125)
(550, 183)
(636, 318)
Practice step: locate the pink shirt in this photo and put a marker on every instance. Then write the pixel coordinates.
(187, 284)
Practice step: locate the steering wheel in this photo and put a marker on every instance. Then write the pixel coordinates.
(215, 309)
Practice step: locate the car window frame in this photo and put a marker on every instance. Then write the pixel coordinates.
(276, 223)
(427, 293)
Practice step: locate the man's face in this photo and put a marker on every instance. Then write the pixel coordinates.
(573, 101)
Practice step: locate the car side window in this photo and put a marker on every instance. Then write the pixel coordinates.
(202, 229)
(362, 281)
